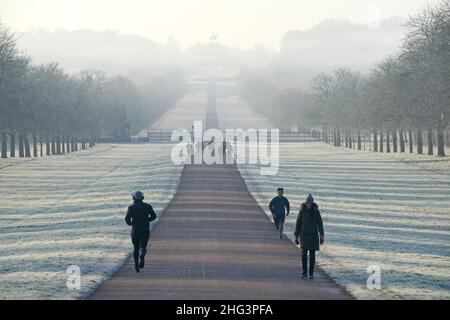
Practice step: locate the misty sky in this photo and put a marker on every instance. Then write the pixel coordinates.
(241, 23)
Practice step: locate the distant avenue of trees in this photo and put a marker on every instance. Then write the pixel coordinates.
(402, 105)
(46, 111)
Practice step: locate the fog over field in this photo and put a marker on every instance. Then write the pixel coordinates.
(92, 97)
(329, 44)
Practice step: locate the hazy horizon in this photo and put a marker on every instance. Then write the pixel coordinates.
(234, 23)
(302, 55)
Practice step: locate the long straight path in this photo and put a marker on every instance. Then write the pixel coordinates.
(214, 242)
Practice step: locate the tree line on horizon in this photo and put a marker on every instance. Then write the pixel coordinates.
(44, 110)
(403, 102)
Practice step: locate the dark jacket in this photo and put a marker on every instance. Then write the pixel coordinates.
(309, 225)
(279, 205)
(139, 216)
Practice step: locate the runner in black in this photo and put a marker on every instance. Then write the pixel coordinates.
(139, 216)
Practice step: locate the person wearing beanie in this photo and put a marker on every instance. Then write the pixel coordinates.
(309, 234)
(139, 216)
(280, 208)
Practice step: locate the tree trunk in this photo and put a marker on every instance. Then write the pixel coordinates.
(21, 147)
(381, 141)
(419, 141)
(448, 138)
(68, 144)
(350, 140)
(47, 146)
(63, 145)
(430, 142)
(388, 141)
(441, 144)
(26, 144)
(402, 141)
(411, 145)
(12, 145)
(4, 145)
(339, 137)
(335, 137)
(58, 144)
(42, 145)
(53, 145)
(35, 146)
(359, 139)
(346, 138)
(394, 141)
(375, 140)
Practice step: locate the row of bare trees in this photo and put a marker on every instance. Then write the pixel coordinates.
(401, 106)
(46, 111)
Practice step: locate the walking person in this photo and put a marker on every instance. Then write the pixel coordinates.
(224, 152)
(139, 216)
(309, 234)
(230, 153)
(280, 208)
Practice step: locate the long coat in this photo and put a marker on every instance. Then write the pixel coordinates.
(309, 225)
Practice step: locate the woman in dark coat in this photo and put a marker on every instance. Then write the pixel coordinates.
(308, 228)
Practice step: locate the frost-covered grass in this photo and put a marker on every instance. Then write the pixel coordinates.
(68, 210)
(386, 210)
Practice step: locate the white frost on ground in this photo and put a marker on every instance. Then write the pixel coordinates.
(391, 211)
(68, 210)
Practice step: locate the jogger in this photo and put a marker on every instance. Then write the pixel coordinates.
(307, 230)
(139, 216)
(280, 208)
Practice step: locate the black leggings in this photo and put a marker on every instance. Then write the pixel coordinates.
(312, 261)
(140, 241)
